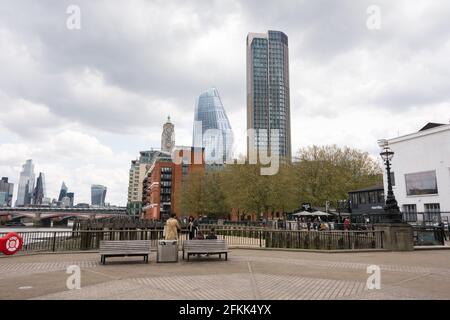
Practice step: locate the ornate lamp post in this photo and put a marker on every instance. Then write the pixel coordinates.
(391, 207)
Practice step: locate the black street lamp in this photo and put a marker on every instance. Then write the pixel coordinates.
(391, 207)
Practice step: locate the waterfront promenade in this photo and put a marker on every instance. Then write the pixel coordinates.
(248, 274)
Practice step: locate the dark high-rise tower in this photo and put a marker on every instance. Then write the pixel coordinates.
(39, 191)
(71, 196)
(63, 191)
(268, 102)
(98, 194)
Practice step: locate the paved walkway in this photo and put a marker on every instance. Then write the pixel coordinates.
(248, 274)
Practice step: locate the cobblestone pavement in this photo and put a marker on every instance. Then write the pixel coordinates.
(248, 274)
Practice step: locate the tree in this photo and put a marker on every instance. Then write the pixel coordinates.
(329, 172)
(323, 173)
(192, 193)
(213, 197)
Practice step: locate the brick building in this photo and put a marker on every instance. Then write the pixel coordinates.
(163, 181)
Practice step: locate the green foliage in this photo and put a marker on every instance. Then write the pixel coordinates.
(327, 173)
(323, 173)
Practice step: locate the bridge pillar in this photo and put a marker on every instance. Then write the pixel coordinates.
(62, 222)
(42, 223)
(37, 220)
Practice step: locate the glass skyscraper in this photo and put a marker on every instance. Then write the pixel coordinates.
(6, 192)
(63, 191)
(39, 191)
(26, 184)
(212, 128)
(268, 104)
(98, 195)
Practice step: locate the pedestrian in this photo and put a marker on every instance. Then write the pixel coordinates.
(346, 224)
(211, 234)
(172, 226)
(315, 226)
(199, 236)
(192, 228)
(308, 224)
(442, 227)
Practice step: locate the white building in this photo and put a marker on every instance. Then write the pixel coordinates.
(421, 173)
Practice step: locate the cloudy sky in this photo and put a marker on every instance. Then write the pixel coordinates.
(82, 103)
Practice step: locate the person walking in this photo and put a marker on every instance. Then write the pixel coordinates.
(172, 226)
(442, 227)
(346, 224)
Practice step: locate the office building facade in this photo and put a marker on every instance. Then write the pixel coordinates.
(6, 192)
(139, 167)
(268, 97)
(26, 184)
(162, 185)
(39, 190)
(137, 173)
(98, 195)
(420, 173)
(62, 192)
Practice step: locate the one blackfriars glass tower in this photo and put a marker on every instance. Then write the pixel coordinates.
(212, 128)
(268, 102)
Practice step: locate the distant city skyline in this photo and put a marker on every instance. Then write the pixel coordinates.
(83, 103)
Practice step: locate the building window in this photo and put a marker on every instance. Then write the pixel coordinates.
(410, 212)
(166, 176)
(363, 198)
(373, 198)
(421, 183)
(432, 212)
(355, 199)
(380, 196)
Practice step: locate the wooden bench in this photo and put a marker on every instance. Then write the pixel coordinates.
(216, 246)
(124, 248)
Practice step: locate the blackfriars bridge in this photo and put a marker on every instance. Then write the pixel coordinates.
(43, 216)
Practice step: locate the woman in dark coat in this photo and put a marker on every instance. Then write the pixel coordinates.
(192, 227)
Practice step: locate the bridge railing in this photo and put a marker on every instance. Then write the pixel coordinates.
(54, 241)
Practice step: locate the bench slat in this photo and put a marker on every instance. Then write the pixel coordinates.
(205, 246)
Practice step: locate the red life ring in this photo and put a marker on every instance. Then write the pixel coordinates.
(11, 243)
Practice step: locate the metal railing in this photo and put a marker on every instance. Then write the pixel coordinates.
(60, 241)
(429, 235)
